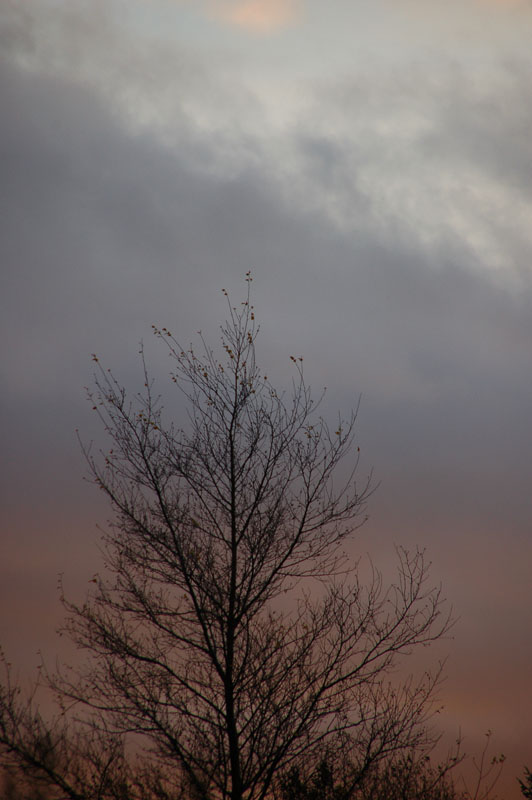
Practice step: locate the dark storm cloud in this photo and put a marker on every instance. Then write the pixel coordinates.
(106, 229)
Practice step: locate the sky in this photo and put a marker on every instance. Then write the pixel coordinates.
(371, 164)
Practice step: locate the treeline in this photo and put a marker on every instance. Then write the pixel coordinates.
(332, 778)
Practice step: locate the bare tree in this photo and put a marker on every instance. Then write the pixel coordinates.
(232, 635)
(44, 759)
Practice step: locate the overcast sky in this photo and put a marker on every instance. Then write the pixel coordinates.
(371, 163)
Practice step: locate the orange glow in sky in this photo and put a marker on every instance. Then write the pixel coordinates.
(259, 16)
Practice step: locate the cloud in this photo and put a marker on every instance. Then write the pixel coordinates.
(257, 16)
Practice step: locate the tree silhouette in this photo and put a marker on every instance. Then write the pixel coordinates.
(232, 639)
(526, 784)
(409, 777)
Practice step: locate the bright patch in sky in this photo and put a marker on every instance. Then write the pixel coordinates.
(258, 16)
